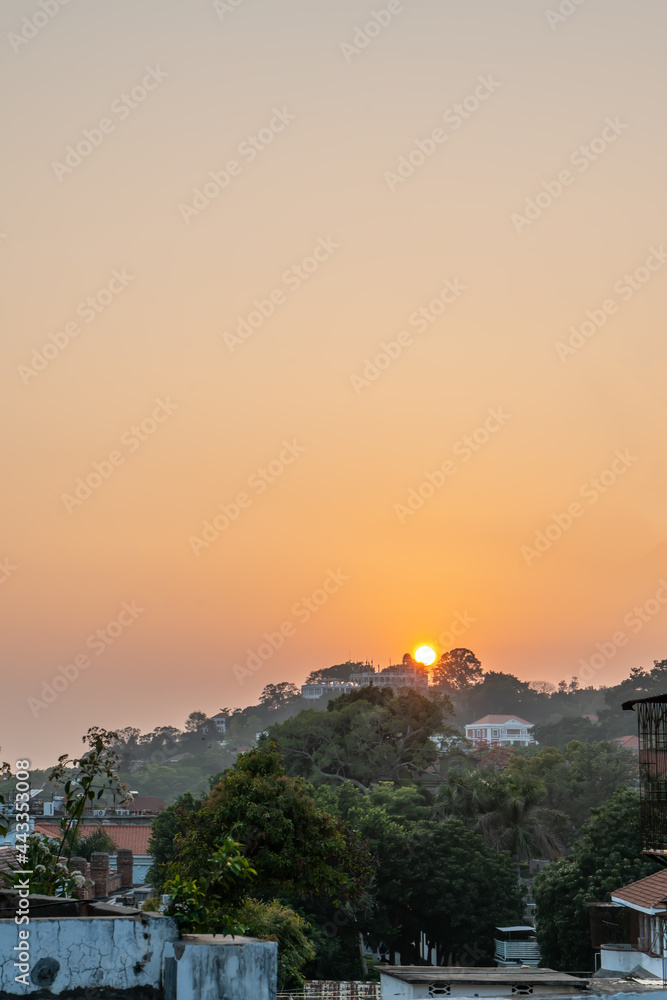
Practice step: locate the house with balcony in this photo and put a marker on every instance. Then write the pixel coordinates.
(500, 730)
(516, 946)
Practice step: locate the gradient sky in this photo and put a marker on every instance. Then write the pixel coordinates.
(338, 510)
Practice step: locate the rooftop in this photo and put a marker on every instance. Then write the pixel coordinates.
(133, 837)
(648, 893)
(490, 976)
(499, 720)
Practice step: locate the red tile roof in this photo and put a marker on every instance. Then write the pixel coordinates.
(649, 893)
(8, 861)
(499, 720)
(133, 837)
(145, 803)
(629, 742)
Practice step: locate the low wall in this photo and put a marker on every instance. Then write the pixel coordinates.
(204, 967)
(121, 952)
(625, 959)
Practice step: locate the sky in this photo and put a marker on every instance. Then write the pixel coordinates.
(329, 329)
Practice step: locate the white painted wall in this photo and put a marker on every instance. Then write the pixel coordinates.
(90, 951)
(208, 967)
(625, 960)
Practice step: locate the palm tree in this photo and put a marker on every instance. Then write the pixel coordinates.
(507, 810)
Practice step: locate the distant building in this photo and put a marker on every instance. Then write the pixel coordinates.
(400, 675)
(516, 946)
(414, 982)
(322, 688)
(500, 730)
(220, 720)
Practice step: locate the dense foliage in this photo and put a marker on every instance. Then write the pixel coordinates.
(606, 857)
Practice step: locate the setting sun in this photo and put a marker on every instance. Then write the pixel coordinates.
(425, 655)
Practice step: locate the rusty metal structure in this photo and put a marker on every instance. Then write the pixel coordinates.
(652, 726)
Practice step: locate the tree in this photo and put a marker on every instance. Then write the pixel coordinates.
(276, 695)
(433, 879)
(98, 840)
(457, 671)
(606, 857)
(365, 736)
(195, 721)
(564, 731)
(298, 849)
(339, 672)
(542, 687)
(506, 809)
(166, 827)
(579, 778)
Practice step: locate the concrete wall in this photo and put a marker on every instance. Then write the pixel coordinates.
(624, 960)
(67, 953)
(207, 967)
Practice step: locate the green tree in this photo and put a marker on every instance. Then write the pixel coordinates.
(457, 671)
(277, 695)
(366, 736)
(166, 827)
(195, 722)
(579, 778)
(98, 840)
(298, 849)
(606, 857)
(339, 672)
(433, 878)
(507, 809)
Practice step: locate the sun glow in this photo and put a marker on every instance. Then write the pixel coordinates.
(425, 655)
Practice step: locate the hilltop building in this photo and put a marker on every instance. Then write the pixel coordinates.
(501, 730)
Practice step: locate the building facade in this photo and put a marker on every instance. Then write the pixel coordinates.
(500, 730)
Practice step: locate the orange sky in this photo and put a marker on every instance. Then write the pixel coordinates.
(377, 292)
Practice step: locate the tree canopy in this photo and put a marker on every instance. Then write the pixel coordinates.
(365, 736)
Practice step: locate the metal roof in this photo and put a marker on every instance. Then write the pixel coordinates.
(657, 699)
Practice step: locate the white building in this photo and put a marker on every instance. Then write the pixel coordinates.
(516, 946)
(646, 929)
(500, 730)
(417, 982)
(321, 688)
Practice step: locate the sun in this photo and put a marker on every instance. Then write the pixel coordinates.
(425, 655)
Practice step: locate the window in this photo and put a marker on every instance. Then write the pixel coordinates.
(439, 990)
(495, 734)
